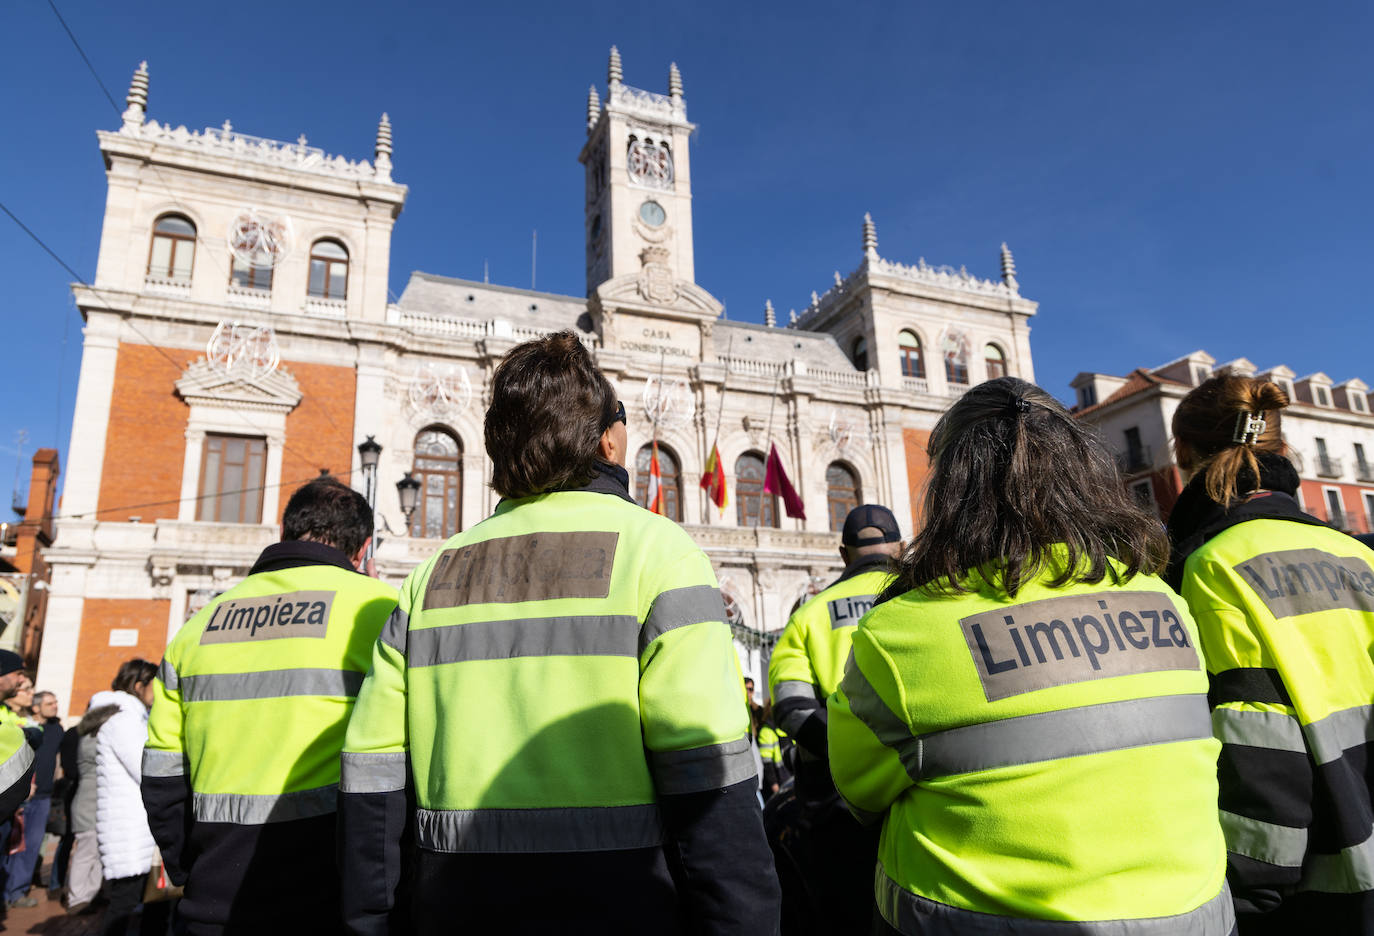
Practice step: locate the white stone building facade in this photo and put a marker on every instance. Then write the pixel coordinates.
(239, 339)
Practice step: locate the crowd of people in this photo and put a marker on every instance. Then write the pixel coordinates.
(1045, 714)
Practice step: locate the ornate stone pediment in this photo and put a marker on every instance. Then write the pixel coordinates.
(204, 384)
(649, 289)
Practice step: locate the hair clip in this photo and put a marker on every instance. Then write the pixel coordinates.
(1017, 406)
(1249, 427)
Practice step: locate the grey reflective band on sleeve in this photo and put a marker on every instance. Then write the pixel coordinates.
(14, 767)
(168, 674)
(1272, 730)
(680, 607)
(580, 635)
(704, 768)
(1332, 736)
(792, 721)
(270, 684)
(1349, 871)
(869, 708)
(395, 629)
(795, 689)
(373, 773)
(913, 915)
(517, 831)
(1280, 845)
(164, 763)
(261, 809)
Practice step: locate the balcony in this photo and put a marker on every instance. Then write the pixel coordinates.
(179, 287)
(1364, 471)
(1135, 460)
(1337, 518)
(915, 384)
(1328, 467)
(325, 308)
(249, 297)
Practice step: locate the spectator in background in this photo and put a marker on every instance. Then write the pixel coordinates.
(127, 850)
(84, 875)
(64, 791)
(45, 736)
(20, 702)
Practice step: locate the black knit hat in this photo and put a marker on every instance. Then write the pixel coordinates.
(10, 662)
(869, 525)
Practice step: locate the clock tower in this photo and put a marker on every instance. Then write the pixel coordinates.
(639, 185)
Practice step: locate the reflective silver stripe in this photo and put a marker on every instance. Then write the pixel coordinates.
(587, 828)
(794, 689)
(1273, 844)
(270, 684)
(168, 674)
(1273, 730)
(703, 768)
(14, 767)
(869, 708)
(918, 916)
(1332, 736)
(1090, 729)
(679, 607)
(259, 809)
(792, 720)
(373, 773)
(394, 630)
(1349, 871)
(163, 763)
(581, 635)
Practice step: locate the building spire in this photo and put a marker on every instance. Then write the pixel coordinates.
(593, 108)
(870, 235)
(382, 152)
(770, 319)
(1009, 269)
(613, 72)
(674, 81)
(792, 316)
(137, 98)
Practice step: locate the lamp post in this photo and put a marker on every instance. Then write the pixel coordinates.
(408, 489)
(369, 453)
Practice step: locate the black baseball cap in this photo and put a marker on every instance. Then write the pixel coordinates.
(869, 525)
(10, 662)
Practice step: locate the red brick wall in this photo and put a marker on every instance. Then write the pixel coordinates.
(145, 443)
(917, 467)
(1314, 497)
(96, 661)
(319, 432)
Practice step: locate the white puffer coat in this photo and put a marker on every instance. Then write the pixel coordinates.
(121, 824)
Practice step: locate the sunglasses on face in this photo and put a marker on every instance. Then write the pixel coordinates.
(619, 415)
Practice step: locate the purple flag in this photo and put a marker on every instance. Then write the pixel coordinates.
(775, 481)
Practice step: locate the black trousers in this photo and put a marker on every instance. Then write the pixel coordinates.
(125, 896)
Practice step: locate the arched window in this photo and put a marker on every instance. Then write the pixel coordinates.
(859, 354)
(670, 478)
(841, 493)
(913, 365)
(174, 248)
(439, 469)
(995, 361)
(328, 270)
(752, 506)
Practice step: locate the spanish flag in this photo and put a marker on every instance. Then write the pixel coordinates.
(713, 479)
(654, 501)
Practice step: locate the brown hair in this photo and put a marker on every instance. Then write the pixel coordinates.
(549, 406)
(1205, 426)
(131, 673)
(1013, 475)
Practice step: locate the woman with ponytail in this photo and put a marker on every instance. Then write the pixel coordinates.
(1285, 609)
(1025, 710)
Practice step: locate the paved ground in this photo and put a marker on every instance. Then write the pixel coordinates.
(49, 918)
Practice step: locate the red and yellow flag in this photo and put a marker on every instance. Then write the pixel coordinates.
(654, 500)
(713, 479)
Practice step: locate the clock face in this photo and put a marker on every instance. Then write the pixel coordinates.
(652, 213)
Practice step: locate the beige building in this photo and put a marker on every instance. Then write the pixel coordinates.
(239, 340)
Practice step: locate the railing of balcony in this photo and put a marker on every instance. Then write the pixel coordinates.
(1364, 471)
(1134, 460)
(1328, 466)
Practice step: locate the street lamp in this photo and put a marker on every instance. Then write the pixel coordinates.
(369, 453)
(408, 488)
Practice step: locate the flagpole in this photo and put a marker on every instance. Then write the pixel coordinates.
(720, 410)
(658, 404)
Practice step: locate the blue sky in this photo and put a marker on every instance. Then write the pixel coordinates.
(1171, 176)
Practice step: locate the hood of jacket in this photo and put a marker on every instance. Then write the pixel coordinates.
(103, 705)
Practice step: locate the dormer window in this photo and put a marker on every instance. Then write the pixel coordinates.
(1321, 396)
(1200, 373)
(1087, 396)
(173, 252)
(1287, 387)
(1358, 402)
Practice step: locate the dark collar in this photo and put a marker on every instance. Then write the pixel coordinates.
(609, 479)
(292, 554)
(874, 562)
(1196, 518)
